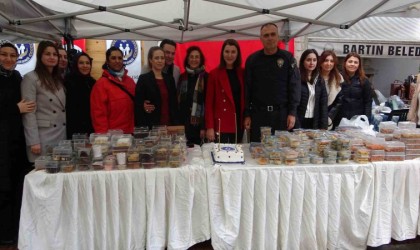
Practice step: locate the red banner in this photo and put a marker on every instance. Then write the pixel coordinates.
(212, 51)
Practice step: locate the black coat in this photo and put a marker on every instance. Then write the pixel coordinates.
(356, 99)
(78, 89)
(12, 140)
(147, 89)
(320, 108)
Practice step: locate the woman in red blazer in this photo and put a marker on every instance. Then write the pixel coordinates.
(225, 98)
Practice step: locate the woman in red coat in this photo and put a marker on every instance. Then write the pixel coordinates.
(225, 99)
(112, 96)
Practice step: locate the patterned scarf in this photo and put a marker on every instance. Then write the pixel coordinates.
(198, 96)
(118, 74)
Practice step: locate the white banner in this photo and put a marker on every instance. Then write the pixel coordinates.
(132, 55)
(27, 57)
(375, 50)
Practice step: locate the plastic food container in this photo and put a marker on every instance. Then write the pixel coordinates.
(395, 146)
(121, 141)
(109, 162)
(276, 161)
(304, 160)
(67, 166)
(387, 127)
(148, 165)
(315, 159)
(330, 160)
(52, 167)
(41, 162)
(98, 165)
(79, 143)
(407, 125)
(79, 136)
(290, 162)
(62, 153)
(98, 138)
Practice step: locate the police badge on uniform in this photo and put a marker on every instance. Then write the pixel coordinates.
(280, 62)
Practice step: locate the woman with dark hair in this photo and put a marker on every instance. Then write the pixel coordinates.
(225, 98)
(191, 94)
(155, 101)
(47, 125)
(356, 89)
(328, 62)
(13, 160)
(112, 97)
(312, 112)
(79, 84)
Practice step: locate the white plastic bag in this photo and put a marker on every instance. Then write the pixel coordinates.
(360, 121)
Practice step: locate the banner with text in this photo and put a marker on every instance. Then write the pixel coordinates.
(376, 50)
(132, 55)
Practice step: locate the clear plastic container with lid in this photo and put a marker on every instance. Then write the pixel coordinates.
(387, 127)
(377, 155)
(374, 143)
(407, 125)
(67, 143)
(41, 162)
(100, 138)
(62, 153)
(316, 159)
(395, 146)
(52, 167)
(121, 141)
(394, 156)
(79, 143)
(80, 136)
(67, 166)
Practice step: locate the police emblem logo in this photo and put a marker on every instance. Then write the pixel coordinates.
(25, 51)
(280, 62)
(129, 49)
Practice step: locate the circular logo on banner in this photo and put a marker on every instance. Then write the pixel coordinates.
(25, 51)
(129, 49)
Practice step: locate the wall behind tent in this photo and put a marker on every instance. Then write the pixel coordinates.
(212, 50)
(388, 70)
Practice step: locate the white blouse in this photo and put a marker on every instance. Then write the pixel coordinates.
(311, 101)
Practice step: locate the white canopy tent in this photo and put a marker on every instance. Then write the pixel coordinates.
(181, 20)
(377, 37)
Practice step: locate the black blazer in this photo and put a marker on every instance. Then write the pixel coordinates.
(320, 108)
(147, 89)
(78, 89)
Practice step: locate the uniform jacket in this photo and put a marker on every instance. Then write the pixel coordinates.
(320, 107)
(147, 89)
(220, 103)
(272, 80)
(47, 125)
(111, 107)
(78, 89)
(356, 99)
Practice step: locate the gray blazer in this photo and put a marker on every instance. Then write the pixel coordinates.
(47, 124)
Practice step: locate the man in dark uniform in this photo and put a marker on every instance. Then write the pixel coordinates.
(272, 86)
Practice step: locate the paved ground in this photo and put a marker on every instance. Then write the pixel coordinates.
(395, 245)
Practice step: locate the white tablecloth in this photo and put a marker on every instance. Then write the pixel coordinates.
(396, 204)
(129, 209)
(312, 206)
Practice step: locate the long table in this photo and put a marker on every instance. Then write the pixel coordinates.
(130, 209)
(343, 206)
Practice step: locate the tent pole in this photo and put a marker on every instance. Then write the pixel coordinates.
(122, 13)
(42, 14)
(77, 13)
(273, 12)
(368, 12)
(121, 30)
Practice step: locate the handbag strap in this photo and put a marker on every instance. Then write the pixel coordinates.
(123, 89)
